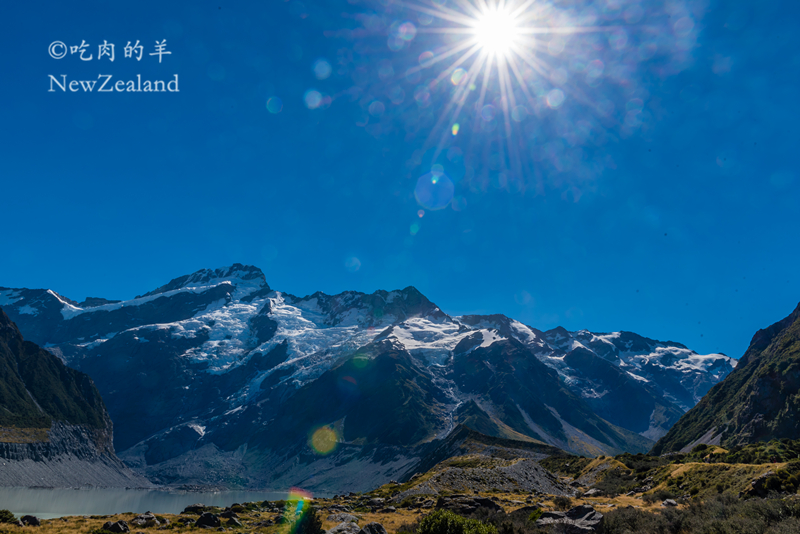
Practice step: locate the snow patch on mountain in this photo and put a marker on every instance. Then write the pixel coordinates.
(9, 297)
(69, 311)
(28, 310)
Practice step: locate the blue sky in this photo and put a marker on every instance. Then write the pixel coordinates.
(660, 198)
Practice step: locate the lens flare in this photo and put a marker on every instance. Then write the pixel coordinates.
(496, 30)
(296, 505)
(323, 441)
(434, 191)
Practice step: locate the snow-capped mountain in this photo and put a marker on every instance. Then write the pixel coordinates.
(217, 368)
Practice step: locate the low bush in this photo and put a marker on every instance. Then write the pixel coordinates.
(562, 503)
(7, 517)
(447, 522)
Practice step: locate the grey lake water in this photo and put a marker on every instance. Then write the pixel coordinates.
(50, 503)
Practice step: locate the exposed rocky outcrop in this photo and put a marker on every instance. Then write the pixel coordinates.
(579, 520)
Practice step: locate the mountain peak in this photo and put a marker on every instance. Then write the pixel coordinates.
(237, 274)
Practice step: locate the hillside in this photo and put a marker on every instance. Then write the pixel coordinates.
(54, 428)
(758, 401)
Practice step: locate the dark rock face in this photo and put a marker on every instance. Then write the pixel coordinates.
(119, 526)
(579, 520)
(30, 520)
(759, 401)
(207, 519)
(373, 528)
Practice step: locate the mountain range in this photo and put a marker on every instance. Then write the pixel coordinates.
(217, 379)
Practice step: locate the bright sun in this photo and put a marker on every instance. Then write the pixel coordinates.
(496, 31)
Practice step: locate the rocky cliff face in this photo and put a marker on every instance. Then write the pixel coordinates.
(54, 429)
(759, 401)
(222, 371)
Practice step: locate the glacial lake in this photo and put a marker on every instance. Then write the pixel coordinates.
(49, 503)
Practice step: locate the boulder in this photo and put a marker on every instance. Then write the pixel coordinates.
(342, 518)
(119, 526)
(594, 492)
(196, 509)
(579, 520)
(345, 527)
(145, 520)
(669, 502)
(373, 528)
(524, 512)
(233, 522)
(188, 521)
(228, 514)
(207, 520)
(375, 502)
(464, 505)
(30, 520)
(388, 510)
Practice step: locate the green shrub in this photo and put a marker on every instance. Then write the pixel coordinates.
(535, 515)
(7, 517)
(309, 523)
(447, 522)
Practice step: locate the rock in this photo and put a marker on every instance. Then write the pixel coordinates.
(207, 519)
(233, 522)
(579, 520)
(630, 494)
(30, 520)
(188, 521)
(388, 510)
(524, 512)
(342, 518)
(345, 528)
(145, 520)
(375, 502)
(339, 507)
(229, 514)
(195, 509)
(669, 502)
(427, 504)
(373, 528)
(461, 504)
(119, 526)
(594, 492)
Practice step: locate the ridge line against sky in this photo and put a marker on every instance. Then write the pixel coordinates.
(570, 324)
(618, 164)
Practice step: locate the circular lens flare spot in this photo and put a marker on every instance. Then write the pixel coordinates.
(458, 76)
(324, 440)
(274, 105)
(434, 190)
(496, 31)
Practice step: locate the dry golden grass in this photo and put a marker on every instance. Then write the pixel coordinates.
(23, 435)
